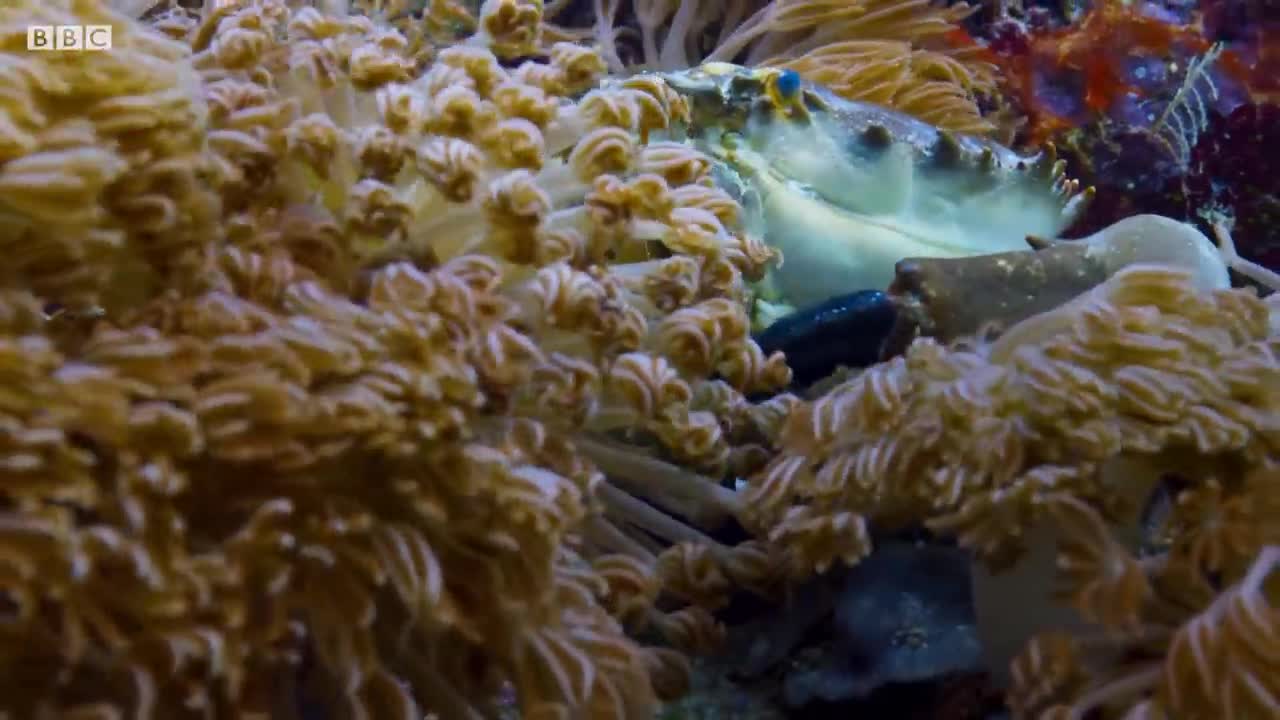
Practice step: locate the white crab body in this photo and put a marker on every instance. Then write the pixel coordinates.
(845, 189)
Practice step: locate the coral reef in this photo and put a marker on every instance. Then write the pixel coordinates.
(303, 317)
(1072, 418)
(394, 360)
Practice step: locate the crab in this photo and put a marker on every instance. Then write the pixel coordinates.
(846, 189)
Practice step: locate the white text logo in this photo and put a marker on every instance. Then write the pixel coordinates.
(69, 37)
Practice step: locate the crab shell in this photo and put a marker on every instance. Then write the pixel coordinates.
(847, 189)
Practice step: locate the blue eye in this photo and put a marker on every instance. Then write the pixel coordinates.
(788, 83)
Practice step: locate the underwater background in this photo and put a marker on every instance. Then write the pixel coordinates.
(629, 359)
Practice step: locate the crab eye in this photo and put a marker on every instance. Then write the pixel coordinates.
(788, 84)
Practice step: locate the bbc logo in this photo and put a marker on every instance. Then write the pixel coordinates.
(69, 37)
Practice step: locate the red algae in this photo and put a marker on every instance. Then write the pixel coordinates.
(1102, 87)
(1097, 48)
(1108, 62)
